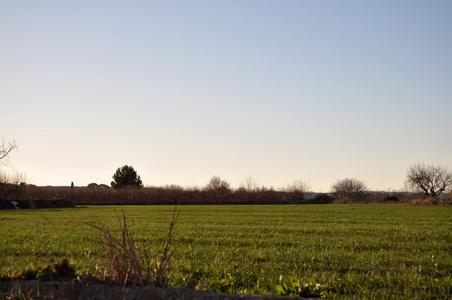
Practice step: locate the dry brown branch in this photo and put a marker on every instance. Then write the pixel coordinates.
(5, 150)
(166, 255)
(129, 263)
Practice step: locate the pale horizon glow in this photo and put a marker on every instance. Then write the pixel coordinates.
(182, 91)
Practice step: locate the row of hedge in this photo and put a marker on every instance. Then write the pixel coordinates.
(80, 196)
(171, 196)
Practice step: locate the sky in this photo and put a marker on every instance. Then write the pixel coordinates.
(182, 91)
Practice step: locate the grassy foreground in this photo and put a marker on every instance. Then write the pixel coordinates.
(352, 251)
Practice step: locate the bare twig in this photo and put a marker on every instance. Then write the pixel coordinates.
(5, 149)
(129, 263)
(166, 256)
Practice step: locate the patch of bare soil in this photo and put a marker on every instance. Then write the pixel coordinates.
(76, 290)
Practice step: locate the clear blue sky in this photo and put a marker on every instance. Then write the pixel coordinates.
(184, 90)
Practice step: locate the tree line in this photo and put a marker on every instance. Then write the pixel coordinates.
(429, 180)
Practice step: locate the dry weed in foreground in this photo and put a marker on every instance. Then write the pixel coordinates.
(130, 263)
(17, 293)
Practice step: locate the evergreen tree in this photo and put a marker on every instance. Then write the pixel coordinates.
(126, 176)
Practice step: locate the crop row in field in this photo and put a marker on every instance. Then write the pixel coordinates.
(360, 251)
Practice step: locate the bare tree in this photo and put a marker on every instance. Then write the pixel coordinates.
(431, 179)
(14, 178)
(297, 186)
(5, 150)
(350, 189)
(216, 183)
(249, 184)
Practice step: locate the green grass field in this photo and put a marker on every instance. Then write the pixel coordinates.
(352, 251)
